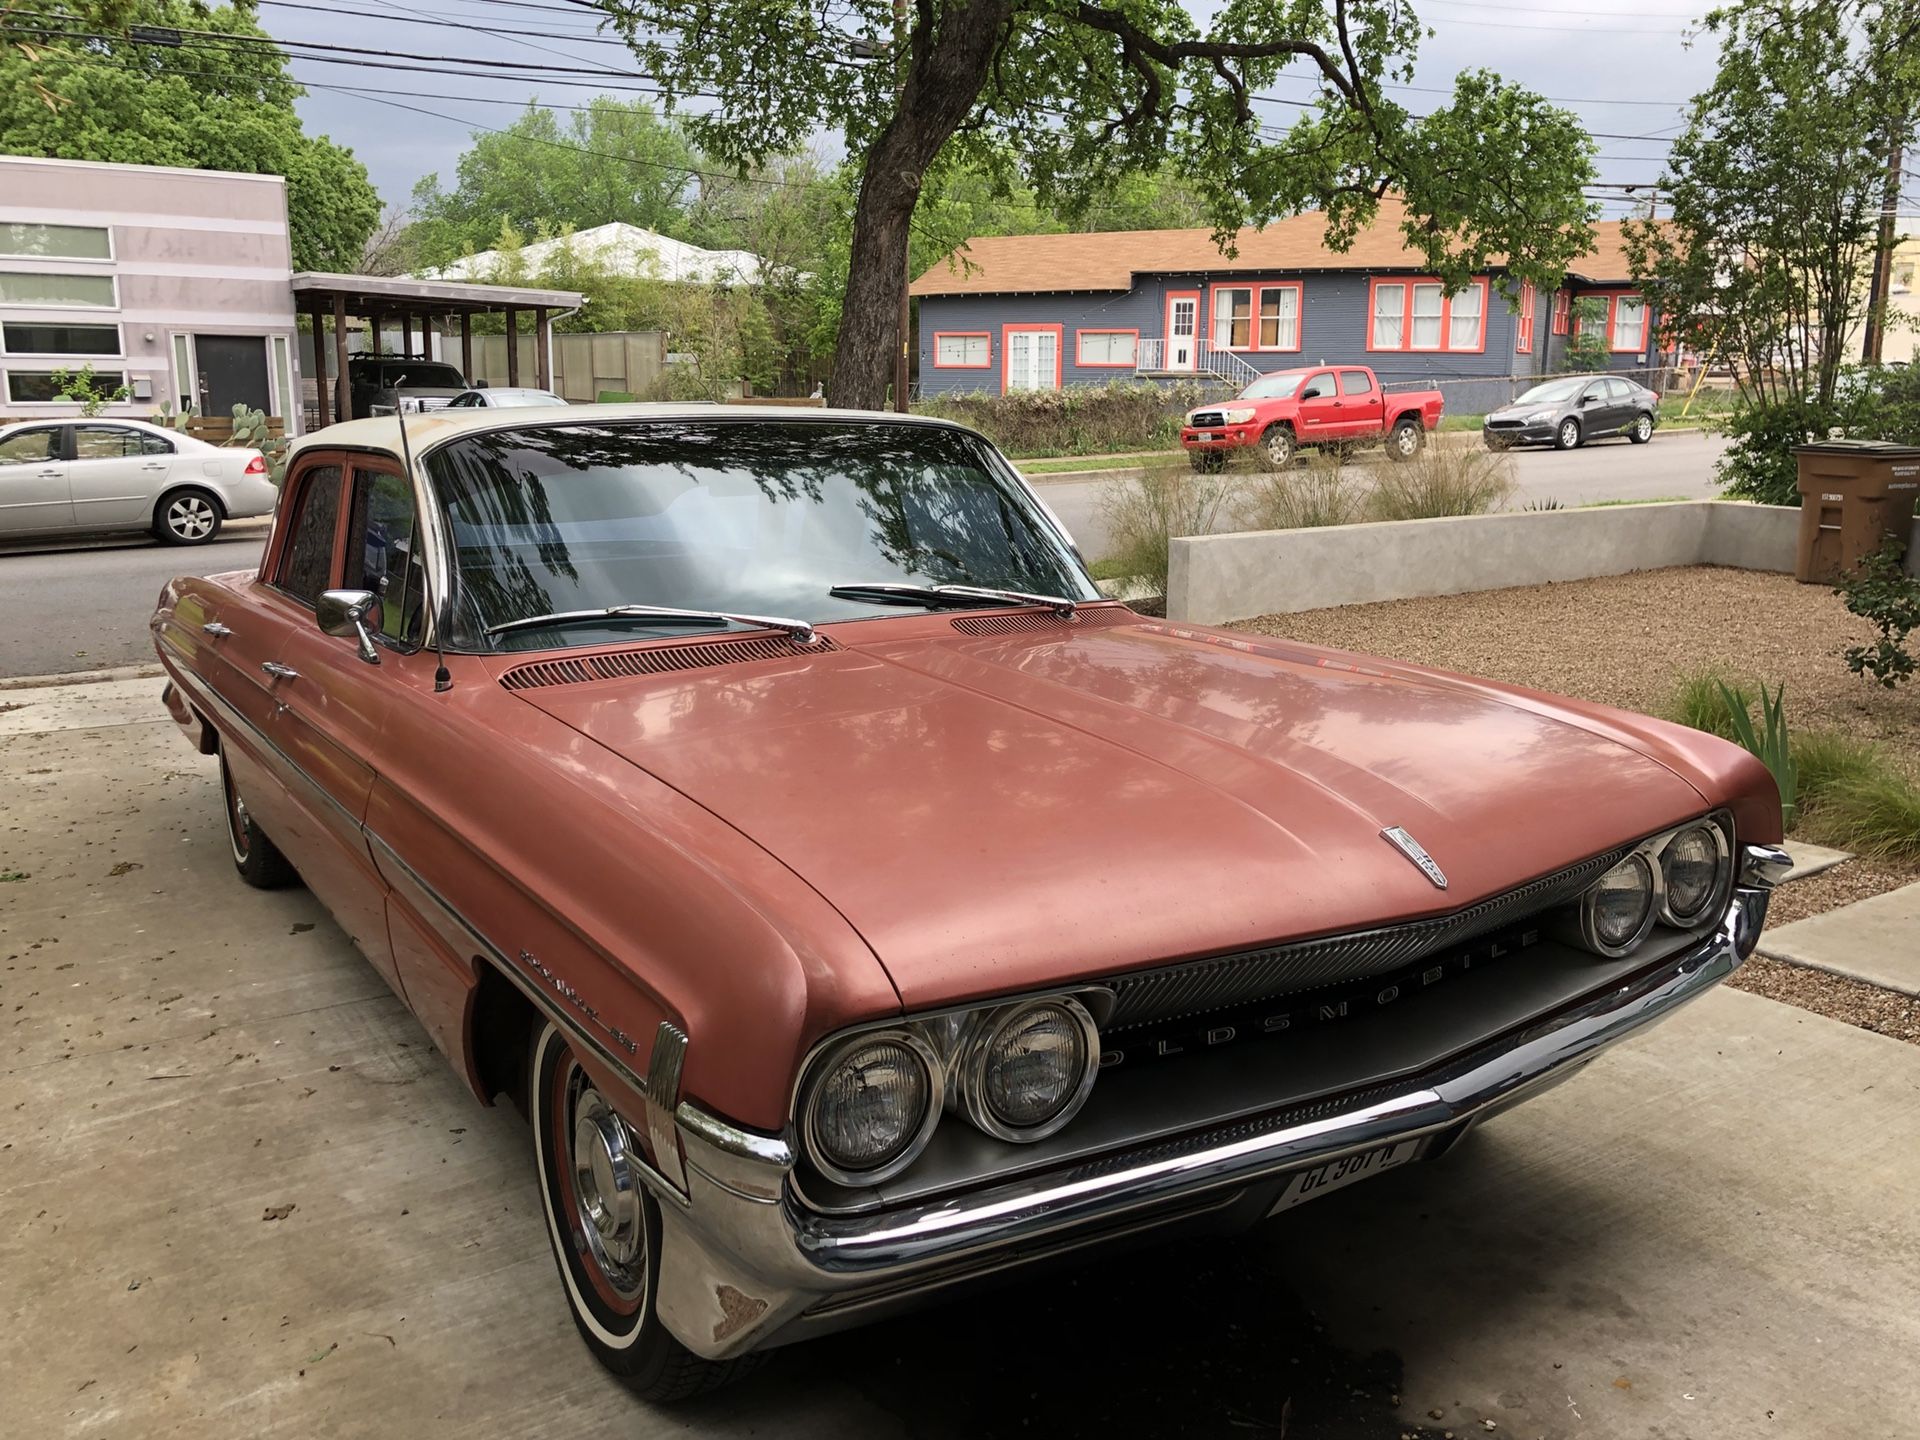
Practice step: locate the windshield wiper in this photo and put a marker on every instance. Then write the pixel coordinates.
(952, 597)
(801, 630)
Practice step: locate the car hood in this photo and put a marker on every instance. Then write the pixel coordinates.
(999, 813)
(1516, 412)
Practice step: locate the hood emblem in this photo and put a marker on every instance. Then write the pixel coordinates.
(1417, 853)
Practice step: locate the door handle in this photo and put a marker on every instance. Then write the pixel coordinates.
(216, 629)
(54, 474)
(283, 672)
(154, 465)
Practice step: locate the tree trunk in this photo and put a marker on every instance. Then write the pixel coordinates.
(941, 87)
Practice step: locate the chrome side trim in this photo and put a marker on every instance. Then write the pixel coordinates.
(742, 1161)
(663, 1091)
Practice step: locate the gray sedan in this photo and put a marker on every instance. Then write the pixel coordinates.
(1568, 413)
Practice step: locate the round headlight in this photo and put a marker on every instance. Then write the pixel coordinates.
(1033, 1069)
(1618, 911)
(1690, 869)
(873, 1108)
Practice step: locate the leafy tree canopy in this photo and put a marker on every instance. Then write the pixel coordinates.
(229, 108)
(615, 160)
(1070, 96)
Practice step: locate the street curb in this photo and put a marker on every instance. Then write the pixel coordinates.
(151, 671)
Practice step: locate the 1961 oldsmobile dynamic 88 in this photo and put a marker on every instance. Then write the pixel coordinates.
(860, 907)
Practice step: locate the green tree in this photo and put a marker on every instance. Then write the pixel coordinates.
(1587, 345)
(1086, 92)
(615, 160)
(1774, 192)
(216, 102)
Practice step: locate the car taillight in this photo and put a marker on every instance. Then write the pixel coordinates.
(257, 465)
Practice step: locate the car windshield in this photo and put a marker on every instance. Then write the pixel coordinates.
(752, 516)
(1551, 393)
(1272, 387)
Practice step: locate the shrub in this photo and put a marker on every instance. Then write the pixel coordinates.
(1076, 420)
(1146, 511)
(1769, 742)
(1827, 761)
(1588, 347)
(1759, 464)
(1441, 480)
(1324, 491)
(1881, 592)
(1862, 802)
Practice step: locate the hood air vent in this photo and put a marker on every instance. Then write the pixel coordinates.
(1044, 620)
(658, 660)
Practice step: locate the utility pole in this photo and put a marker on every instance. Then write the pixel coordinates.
(901, 60)
(1881, 283)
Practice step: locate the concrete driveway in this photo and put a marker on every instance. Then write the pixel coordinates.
(1710, 1233)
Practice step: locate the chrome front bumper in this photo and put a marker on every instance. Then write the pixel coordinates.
(743, 1265)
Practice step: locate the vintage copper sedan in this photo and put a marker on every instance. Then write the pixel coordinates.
(860, 907)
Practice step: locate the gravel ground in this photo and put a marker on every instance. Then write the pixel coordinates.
(1623, 640)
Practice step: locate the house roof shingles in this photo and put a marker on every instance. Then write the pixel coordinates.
(1109, 260)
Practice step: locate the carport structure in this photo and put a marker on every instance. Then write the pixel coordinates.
(419, 305)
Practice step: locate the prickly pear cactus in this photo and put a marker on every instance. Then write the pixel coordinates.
(250, 430)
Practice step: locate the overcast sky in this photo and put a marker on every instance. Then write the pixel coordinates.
(1624, 69)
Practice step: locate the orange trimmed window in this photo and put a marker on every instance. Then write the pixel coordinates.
(962, 350)
(1523, 326)
(1106, 349)
(1420, 315)
(1562, 310)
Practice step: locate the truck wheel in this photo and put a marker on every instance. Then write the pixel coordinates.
(1277, 447)
(1406, 440)
(1641, 430)
(605, 1229)
(1567, 437)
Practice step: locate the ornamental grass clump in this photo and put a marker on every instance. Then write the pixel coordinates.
(1323, 491)
(1145, 511)
(1443, 479)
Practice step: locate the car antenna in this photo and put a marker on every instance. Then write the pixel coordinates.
(442, 677)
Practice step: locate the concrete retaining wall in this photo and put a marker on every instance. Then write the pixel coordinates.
(1218, 578)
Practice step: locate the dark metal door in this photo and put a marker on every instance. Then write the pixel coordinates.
(233, 371)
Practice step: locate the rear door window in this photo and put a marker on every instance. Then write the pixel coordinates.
(1355, 382)
(306, 566)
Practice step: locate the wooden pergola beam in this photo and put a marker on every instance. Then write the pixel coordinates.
(323, 410)
(343, 398)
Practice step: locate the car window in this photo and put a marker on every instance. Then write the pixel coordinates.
(1619, 389)
(155, 444)
(28, 446)
(104, 442)
(1355, 382)
(307, 566)
(380, 554)
(1318, 388)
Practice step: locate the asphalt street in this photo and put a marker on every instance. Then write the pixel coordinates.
(1673, 466)
(86, 607)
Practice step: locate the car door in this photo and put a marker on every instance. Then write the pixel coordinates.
(332, 705)
(1320, 409)
(33, 481)
(1591, 407)
(1362, 405)
(112, 478)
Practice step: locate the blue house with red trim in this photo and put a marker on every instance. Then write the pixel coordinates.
(1038, 312)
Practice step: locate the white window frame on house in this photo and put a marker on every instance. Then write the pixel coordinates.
(1598, 325)
(8, 226)
(113, 291)
(1395, 339)
(1639, 345)
(963, 357)
(1287, 319)
(111, 379)
(1111, 349)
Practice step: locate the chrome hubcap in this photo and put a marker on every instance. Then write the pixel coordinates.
(190, 517)
(606, 1188)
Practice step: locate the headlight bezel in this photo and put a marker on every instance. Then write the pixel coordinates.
(976, 1055)
(1651, 852)
(1238, 414)
(828, 1061)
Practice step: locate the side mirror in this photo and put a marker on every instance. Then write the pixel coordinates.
(1589, 399)
(344, 613)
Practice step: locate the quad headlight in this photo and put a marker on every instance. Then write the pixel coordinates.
(871, 1106)
(1678, 878)
(1238, 414)
(869, 1103)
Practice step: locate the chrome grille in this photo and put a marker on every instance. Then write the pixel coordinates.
(658, 660)
(1043, 620)
(1197, 986)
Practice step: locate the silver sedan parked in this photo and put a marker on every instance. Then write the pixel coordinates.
(502, 397)
(86, 476)
(1567, 413)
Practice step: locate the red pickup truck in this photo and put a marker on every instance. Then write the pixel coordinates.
(1319, 405)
